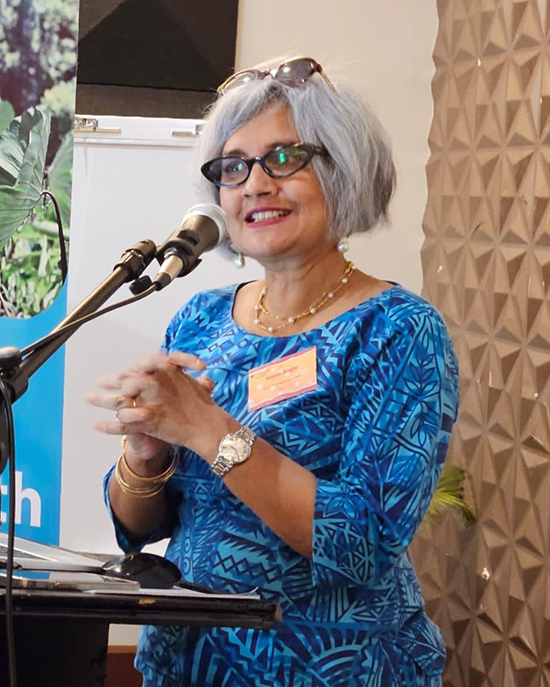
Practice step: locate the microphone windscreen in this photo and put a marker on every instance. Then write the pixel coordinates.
(211, 210)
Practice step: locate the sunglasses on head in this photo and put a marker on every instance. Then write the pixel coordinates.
(292, 73)
(281, 162)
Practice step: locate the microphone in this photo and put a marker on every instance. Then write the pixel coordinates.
(202, 228)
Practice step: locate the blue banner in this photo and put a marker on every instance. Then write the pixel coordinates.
(38, 416)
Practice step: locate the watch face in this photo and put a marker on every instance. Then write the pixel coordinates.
(234, 449)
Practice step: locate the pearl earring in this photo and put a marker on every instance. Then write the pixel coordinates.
(343, 245)
(239, 261)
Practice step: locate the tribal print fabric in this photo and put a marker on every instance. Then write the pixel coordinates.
(375, 433)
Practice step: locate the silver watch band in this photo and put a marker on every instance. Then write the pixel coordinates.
(246, 433)
(220, 465)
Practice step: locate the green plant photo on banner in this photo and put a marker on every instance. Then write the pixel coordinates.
(37, 94)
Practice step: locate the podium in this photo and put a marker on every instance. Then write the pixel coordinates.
(62, 637)
(61, 618)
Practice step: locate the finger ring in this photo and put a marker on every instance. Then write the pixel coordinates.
(134, 402)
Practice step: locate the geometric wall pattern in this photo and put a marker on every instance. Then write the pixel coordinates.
(486, 266)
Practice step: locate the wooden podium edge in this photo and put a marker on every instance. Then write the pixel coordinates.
(120, 667)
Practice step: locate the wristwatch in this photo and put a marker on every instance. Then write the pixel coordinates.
(233, 449)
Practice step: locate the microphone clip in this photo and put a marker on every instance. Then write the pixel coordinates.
(185, 245)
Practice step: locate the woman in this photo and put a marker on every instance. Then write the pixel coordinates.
(291, 434)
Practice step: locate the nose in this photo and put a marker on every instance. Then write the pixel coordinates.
(259, 182)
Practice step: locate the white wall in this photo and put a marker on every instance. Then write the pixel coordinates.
(384, 47)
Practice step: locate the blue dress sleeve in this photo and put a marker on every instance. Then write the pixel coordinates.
(124, 539)
(403, 405)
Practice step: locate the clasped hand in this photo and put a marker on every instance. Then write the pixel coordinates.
(157, 400)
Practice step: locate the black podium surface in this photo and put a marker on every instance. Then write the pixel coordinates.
(61, 637)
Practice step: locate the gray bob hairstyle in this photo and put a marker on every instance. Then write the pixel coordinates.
(357, 179)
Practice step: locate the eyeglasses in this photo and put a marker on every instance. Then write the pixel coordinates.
(283, 161)
(292, 73)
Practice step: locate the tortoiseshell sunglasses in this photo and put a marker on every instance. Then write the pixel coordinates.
(292, 73)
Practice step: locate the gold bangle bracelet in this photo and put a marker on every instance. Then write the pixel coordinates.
(162, 477)
(147, 495)
(138, 492)
(156, 479)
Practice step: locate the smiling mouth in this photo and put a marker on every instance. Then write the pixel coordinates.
(264, 215)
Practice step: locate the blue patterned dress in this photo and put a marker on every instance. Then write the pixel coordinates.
(374, 432)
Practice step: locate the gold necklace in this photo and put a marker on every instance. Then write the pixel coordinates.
(261, 308)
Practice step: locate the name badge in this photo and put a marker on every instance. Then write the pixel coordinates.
(290, 376)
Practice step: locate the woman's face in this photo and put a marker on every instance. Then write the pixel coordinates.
(274, 219)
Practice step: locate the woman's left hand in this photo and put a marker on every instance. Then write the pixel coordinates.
(168, 403)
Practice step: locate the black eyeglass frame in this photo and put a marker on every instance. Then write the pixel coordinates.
(255, 74)
(310, 148)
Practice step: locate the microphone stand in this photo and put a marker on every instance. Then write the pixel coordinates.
(16, 371)
(14, 381)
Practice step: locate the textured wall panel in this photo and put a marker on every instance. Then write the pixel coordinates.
(486, 264)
